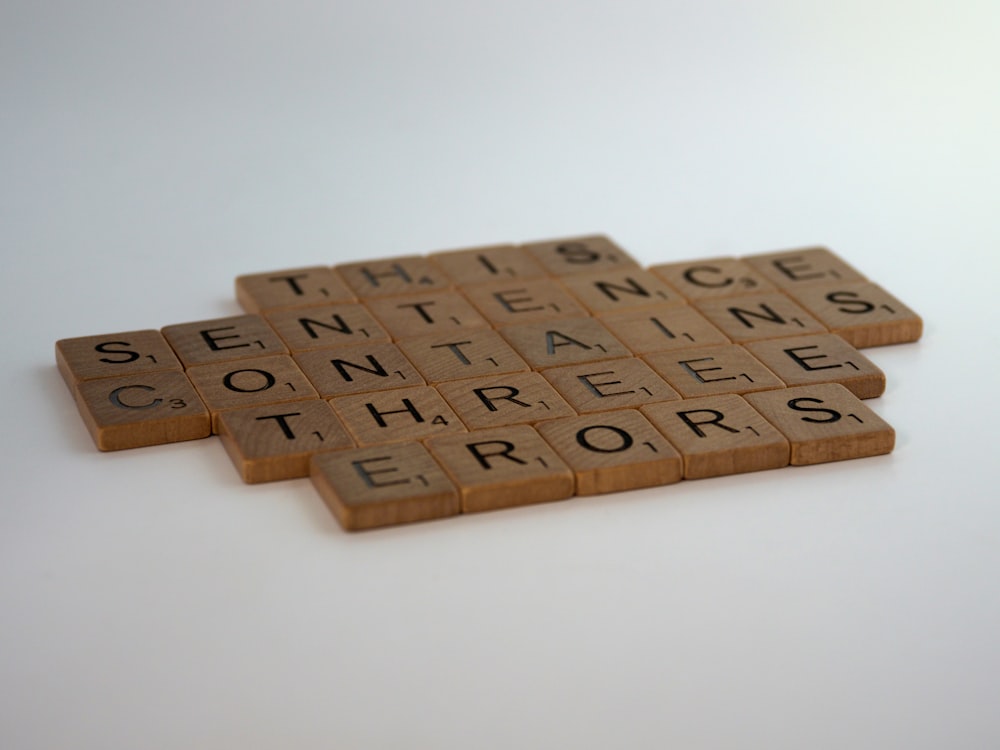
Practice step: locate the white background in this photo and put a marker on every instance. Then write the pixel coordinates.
(151, 152)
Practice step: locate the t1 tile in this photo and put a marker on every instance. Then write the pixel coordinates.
(503, 468)
(481, 265)
(367, 488)
(759, 316)
(223, 340)
(711, 370)
(571, 255)
(621, 289)
(326, 326)
(613, 451)
(562, 342)
(825, 423)
(276, 441)
(719, 435)
(143, 409)
(394, 416)
(358, 369)
(409, 274)
(499, 400)
(661, 329)
(410, 315)
(612, 384)
(802, 266)
(820, 358)
(713, 277)
(864, 314)
(114, 355)
(295, 287)
(468, 354)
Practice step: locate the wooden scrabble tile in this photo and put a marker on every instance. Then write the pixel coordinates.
(358, 369)
(114, 355)
(563, 342)
(223, 339)
(611, 384)
(613, 451)
(467, 354)
(719, 435)
(294, 287)
(326, 326)
(523, 301)
(480, 265)
(394, 416)
(862, 313)
(825, 423)
(410, 315)
(367, 488)
(802, 266)
(820, 358)
(661, 329)
(499, 400)
(616, 289)
(713, 277)
(276, 441)
(251, 382)
(503, 468)
(571, 255)
(712, 370)
(142, 409)
(410, 274)
(754, 317)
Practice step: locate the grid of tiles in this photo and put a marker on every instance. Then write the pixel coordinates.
(424, 386)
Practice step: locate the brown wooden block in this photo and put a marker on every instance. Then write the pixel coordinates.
(223, 340)
(480, 265)
(820, 358)
(523, 301)
(410, 315)
(367, 488)
(613, 451)
(409, 274)
(143, 409)
(395, 416)
(563, 342)
(252, 382)
(571, 255)
(268, 443)
(621, 289)
(712, 370)
(713, 277)
(862, 313)
(825, 423)
(294, 287)
(498, 400)
(467, 354)
(326, 326)
(358, 369)
(755, 317)
(719, 435)
(114, 355)
(503, 468)
(803, 266)
(612, 384)
(661, 329)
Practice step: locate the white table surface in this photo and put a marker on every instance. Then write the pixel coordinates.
(150, 153)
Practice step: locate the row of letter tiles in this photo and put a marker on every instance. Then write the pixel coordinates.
(567, 344)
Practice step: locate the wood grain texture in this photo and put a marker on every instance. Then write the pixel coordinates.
(501, 400)
(862, 313)
(712, 278)
(466, 354)
(613, 384)
(613, 451)
(662, 329)
(755, 317)
(326, 326)
(409, 274)
(799, 267)
(617, 289)
(567, 256)
(712, 370)
(144, 409)
(358, 369)
(820, 358)
(367, 488)
(523, 301)
(719, 435)
(410, 315)
(205, 342)
(480, 265)
(563, 342)
(825, 423)
(114, 355)
(293, 287)
(503, 468)
(274, 442)
(400, 415)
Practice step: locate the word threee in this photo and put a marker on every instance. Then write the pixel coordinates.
(420, 387)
